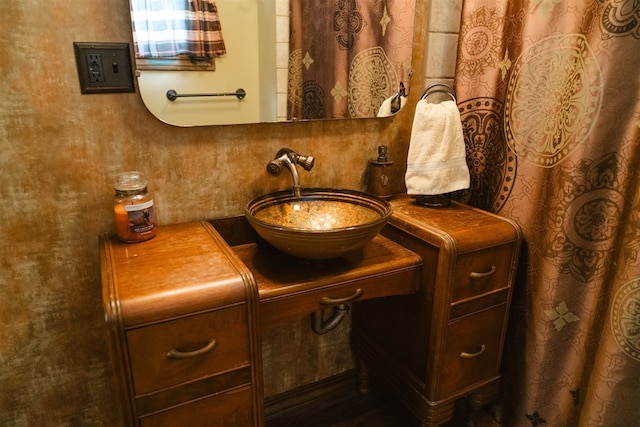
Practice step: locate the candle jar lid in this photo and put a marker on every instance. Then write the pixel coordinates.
(130, 181)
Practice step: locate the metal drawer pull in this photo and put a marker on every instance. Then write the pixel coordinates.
(337, 301)
(474, 275)
(466, 355)
(176, 354)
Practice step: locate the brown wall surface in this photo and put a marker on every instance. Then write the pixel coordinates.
(59, 150)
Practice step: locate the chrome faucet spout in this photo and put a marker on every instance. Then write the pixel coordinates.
(288, 158)
(294, 177)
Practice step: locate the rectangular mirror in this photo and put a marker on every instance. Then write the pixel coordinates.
(288, 60)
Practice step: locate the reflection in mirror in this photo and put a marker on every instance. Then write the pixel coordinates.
(293, 60)
(347, 57)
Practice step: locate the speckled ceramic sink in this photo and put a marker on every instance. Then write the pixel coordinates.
(321, 223)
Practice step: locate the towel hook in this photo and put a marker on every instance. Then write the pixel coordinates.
(439, 88)
(396, 102)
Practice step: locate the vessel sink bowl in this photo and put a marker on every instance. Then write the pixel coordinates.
(320, 223)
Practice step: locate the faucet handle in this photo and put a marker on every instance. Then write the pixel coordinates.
(306, 162)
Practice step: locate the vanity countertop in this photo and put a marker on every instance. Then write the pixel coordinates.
(192, 264)
(181, 271)
(466, 225)
(290, 287)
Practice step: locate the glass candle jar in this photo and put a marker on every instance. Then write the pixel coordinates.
(133, 208)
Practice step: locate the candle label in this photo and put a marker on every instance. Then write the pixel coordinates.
(141, 217)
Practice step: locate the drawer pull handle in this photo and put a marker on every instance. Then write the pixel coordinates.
(466, 355)
(337, 301)
(176, 354)
(475, 275)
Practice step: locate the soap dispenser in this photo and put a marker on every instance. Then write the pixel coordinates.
(379, 184)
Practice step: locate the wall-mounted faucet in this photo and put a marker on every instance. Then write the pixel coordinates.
(289, 158)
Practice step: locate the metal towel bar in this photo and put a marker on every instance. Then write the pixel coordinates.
(172, 94)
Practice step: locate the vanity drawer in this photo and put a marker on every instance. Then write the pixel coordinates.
(482, 271)
(174, 352)
(229, 409)
(472, 350)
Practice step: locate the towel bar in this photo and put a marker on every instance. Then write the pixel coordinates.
(172, 94)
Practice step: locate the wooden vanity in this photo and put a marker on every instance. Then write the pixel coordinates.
(186, 309)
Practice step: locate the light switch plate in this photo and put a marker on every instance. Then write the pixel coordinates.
(104, 67)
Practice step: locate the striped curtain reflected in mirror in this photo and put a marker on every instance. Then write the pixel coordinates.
(168, 28)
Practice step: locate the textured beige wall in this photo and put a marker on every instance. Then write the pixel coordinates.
(58, 152)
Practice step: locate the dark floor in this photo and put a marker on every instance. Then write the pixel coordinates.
(390, 415)
(374, 410)
(358, 411)
(394, 415)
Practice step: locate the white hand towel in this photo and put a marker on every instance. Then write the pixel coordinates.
(385, 107)
(436, 163)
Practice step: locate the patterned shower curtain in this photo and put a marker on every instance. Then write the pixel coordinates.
(549, 95)
(347, 56)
